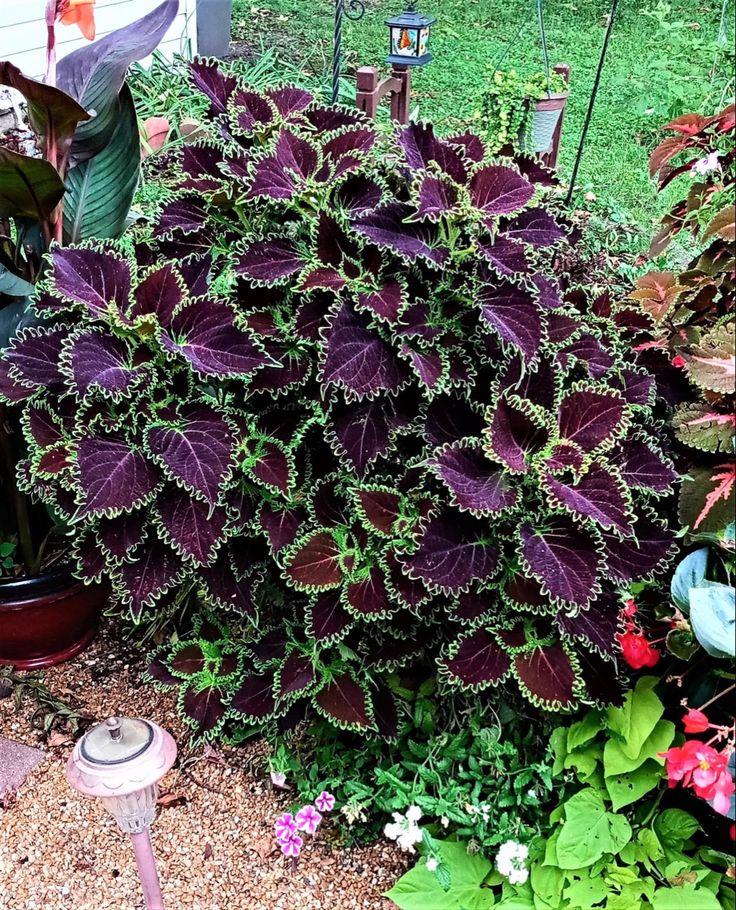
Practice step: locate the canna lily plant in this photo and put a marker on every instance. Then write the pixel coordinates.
(336, 394)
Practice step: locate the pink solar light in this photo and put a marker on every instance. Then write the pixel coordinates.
(121, 761)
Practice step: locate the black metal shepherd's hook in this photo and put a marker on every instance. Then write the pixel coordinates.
(353, 9)
(591, 103)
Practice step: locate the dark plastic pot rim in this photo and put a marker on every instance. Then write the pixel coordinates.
(29, 587)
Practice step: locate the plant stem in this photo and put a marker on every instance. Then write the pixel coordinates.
(719, 695)
(50, 78)
(19, 501)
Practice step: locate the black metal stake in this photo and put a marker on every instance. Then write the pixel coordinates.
(591, 103)
(353, 9)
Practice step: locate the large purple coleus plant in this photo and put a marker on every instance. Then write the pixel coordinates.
(338, 394)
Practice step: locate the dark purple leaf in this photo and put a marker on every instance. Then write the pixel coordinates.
(153, 569)
(514, 314)
(453, 551)
(277, 176)
(113, 476)
(181, 216)
(474, 482)
(204, 707)
(385, 713)
(597, 625)
(91, 277)
(213, 83)
(224, 589)
(513, 436)
(499, 190)
(254, 698)
(636, 386)
(290, 99)
(548, 676)
(202, 165)
(269, 261)
(387, 226)
(33, 357)
(358, 195)
(362, 431)
(272, 467)
(159, 671)
(450, 418)
(479, 661)
(506, 256)
(281, 524)
(560, 327)
(589, 418)
(644, 468)
(252, 111)
(525, 592)
(386, 303)
(381, 509)
(346, 152)
(437, 197)
(563, 558)
(648, 551)
(327, 616)
(192, 526)
(323, 277)
(535, 227)
(471, 145)
(159, 294)
(10, 389)
(344, 701)
(296, 675)
(547, 292)
(123, 533)
(43, 426)
(188, 661)
(429, 366)
(589, 353)
(102, 362)
(597, 495)
(421, 146)
(369, 596)
(329, 119)
(314, 563)
(358, 359)
(204, 332)
(195, 449)
(411, 593)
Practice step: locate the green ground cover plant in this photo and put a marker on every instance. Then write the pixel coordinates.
(664, 60)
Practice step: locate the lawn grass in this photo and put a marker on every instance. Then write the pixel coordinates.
(663, 60)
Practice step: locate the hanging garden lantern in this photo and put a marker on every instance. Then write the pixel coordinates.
(121, 762)
(409, 38)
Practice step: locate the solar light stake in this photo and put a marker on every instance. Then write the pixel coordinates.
(121, 761)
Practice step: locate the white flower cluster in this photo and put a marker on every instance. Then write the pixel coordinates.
(511, 861)
(404, 829)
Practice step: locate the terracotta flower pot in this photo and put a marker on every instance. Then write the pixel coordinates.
(46, 619)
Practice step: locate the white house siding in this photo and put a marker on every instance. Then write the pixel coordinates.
(23, 30)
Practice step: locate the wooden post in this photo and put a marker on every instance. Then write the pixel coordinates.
(370, 91)
(550, 158)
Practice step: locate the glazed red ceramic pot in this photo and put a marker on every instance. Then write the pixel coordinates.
(46, 619)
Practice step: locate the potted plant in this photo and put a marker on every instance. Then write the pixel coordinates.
(70, 179)
(356, 417)
(523, 110)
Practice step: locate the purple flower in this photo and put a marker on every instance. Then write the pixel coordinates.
(308, 819)
(285, 827)
(325, 802)
(278, 779)
(292, 846)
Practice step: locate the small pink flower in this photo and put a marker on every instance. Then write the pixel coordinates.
(707, 164)
(292, 846)
(325, 802)
(285, 827)
(308, 819)
(278, 779)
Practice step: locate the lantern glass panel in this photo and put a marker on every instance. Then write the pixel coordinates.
(135, 811)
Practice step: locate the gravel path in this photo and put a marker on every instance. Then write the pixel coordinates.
(60, 851)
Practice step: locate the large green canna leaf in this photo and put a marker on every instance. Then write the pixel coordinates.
(94, 75)
(49, 109)
(29, 187)
(100, 191)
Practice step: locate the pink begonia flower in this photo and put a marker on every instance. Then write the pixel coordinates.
(285, 826)
(308, 819)
(292, 846)
(707, 164)
(325, 802)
